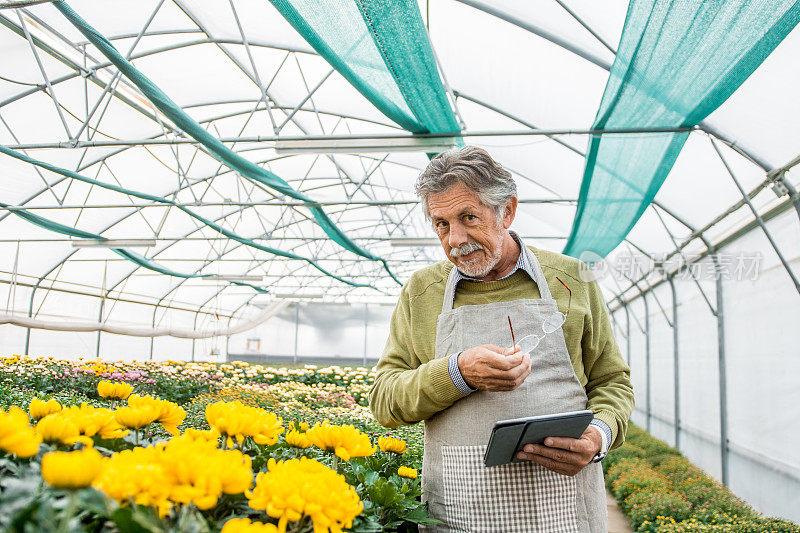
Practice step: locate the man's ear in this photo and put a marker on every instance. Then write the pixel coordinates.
(509, 212)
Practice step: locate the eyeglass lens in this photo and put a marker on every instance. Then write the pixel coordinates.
(528, 343)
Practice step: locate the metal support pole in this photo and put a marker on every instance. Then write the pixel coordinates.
(366, 311)
(723, 381)
(647, 357)
(676, 362)
(627, 334)
(102, 302)
(296, 329)
(758, 219)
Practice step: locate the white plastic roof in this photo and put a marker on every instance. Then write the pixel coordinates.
(526, 65)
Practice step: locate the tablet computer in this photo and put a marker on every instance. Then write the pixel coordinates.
(510, 436)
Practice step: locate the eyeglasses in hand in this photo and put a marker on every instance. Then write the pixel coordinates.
(528, 343)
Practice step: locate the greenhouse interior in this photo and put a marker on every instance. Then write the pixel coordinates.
(212, 204)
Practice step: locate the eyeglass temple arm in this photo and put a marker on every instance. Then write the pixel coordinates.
(569, 302)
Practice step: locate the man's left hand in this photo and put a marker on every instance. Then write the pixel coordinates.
(564, 455)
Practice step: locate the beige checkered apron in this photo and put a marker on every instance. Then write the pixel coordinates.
(517, 497)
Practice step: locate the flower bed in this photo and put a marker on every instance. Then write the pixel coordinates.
(202, 447)
(660, 491)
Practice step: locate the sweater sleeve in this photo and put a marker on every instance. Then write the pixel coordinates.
(609, 385)
(406, 389)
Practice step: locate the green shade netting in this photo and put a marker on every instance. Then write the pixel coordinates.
(678, 60)
(161, 200)
(133, 257)
(383, 50)
(217, 149)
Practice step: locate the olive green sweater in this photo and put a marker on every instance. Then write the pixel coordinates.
(412, 385)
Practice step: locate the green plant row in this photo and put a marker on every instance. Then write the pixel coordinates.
(660, 491)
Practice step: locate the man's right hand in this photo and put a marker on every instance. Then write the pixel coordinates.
(492, 368)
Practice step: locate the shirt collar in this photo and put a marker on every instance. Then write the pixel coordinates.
(522, 264)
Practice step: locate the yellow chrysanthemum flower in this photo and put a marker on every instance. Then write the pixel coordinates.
(40, 409)
(135, 418)
(405, 471)
(136, 475)
(16, 436)
(71, 470)
(59, 428)
(187, 469)
(207, 434)
(297, 439)
(114, 391)
(304, 426)
(234, 419)
(244, 525)
(388, 444)
(297, 487)
(344, 441)
(170, 415)
(93, 421)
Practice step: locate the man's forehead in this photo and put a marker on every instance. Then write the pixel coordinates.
(456, 199)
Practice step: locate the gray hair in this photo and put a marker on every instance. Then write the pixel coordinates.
(473, 167)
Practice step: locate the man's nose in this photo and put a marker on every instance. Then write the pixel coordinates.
(457, 236)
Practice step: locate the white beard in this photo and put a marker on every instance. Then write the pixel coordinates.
(479, 268)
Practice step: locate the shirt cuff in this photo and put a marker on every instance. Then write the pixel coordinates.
(455, 375)
(605, 433)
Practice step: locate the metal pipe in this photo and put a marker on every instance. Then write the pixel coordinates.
(647, 358)
(372, 137)
(758, 218)
(676, 364)
(366, 311)
(263, 204)
(296, 329)
(723, 381)
(627, 334)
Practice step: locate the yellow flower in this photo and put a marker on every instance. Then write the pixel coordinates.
(298, 439)
(71, 470)
(169, 415)
(388, 444)
(16, 436)
(40, 409)
(93, 421)
(304, 426)
(244, 525)
(135, 417)
(234, 419)
(59, 428)
(136, 475)
(405, 471)
(114, 391)
(187, 469)
(297, 487)
(344, 441)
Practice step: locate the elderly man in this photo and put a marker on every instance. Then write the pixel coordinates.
(449, 361)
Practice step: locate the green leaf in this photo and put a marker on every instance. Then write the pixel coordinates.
(130, 520)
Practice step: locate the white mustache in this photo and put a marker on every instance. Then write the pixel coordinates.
(465, 249)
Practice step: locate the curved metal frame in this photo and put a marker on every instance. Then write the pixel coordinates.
(89, 73)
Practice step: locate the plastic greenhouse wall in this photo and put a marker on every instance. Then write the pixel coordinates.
(762, 365)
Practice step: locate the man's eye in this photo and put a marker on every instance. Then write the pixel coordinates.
(470, 218)
(441, 224)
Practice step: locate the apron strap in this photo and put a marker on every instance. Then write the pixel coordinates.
(531, 266)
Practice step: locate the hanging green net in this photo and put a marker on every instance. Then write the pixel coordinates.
(217, 149)
(678, 60)
(383, 50)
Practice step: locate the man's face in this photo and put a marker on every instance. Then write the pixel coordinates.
(469, 231)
